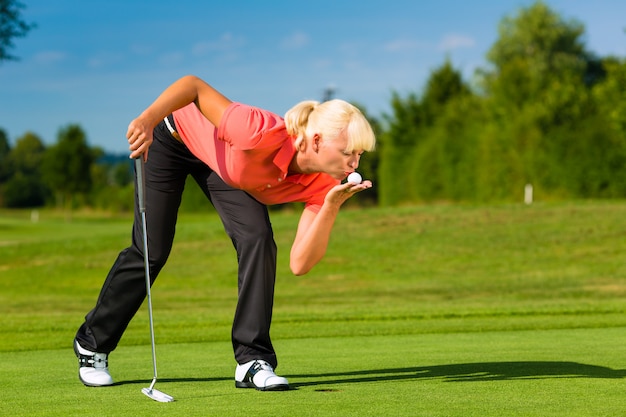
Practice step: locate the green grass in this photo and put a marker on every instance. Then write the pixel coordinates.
(421, 311)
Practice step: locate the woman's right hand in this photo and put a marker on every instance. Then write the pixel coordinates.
(139, 135)
(183, 91)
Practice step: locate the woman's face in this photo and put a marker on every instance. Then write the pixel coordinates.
(334, 159)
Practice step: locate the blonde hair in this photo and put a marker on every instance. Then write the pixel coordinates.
(329, 119)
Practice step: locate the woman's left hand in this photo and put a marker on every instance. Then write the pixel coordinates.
(314, 227)
(342, 192)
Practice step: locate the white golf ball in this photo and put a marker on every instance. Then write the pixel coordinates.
(355, 178)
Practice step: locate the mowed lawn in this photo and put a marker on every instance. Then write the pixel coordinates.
(444, 310)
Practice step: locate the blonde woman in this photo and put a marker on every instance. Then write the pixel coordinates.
(244, 158)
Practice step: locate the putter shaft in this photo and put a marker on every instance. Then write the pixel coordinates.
(141, 195)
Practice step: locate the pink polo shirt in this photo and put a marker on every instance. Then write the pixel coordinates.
(251, 150)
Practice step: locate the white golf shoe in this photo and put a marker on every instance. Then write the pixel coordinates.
(93, 367)
(260, 375)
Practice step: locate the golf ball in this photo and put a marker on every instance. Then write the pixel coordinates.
(355, 178)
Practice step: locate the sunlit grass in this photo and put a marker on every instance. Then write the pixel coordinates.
(526, 302)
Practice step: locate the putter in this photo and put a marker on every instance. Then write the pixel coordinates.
(151, 392)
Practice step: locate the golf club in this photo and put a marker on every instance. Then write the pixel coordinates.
(151, 392)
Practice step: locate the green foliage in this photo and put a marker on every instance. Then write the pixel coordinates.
(27, 154)
(24, 187)
(444, 86)
(113, 188)
(24, 191)
(11, 26)
(67, 165)
(538, 75)
(593, 164)
(122, 174)
(114, 198)
(369, 165)
(610, 94)
(445, 163)
(540, 37)
(416, 143)
(399, 141)
(5, 149)
(545, 113)
(194, 200)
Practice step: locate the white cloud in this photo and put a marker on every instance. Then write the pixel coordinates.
(403, 45)
(141, 49)
(226, 42)
(323, 63)
(172, 58)
(50, 57)
(296, 40)
(104, 59)
(455, 41)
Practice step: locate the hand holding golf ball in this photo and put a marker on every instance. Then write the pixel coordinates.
(355, 178)
(354, 184)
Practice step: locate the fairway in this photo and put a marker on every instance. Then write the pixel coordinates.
(521, 373)
(416, 311)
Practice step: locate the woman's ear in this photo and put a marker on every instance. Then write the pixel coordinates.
(316, 141)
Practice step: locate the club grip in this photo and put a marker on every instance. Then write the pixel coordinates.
(141, 183)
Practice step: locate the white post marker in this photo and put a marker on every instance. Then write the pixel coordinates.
(528, 194)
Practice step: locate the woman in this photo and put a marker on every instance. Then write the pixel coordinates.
(244, 158)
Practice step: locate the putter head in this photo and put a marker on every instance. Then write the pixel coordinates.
(157, 395)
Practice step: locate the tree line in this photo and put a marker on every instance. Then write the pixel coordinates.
(67, 175)
(544, 111)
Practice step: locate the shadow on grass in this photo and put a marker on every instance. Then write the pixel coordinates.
(466, 372)
(147, 381)
(462, 372)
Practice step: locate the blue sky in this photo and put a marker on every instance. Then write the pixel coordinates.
(99, 63)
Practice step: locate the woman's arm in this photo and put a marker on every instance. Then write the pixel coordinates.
(314, 229)
(186, 90)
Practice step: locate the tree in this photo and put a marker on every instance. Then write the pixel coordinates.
(540, 61)
(369, 163)
(67, 166)
(23, 191)
(611, 95)
(444, 85)
(538, 88)
(5, 149)
(398, 141)
(27, 154)
(540, 36)
(438, 156)
(408, 142)
(11, 26)
(25, 188)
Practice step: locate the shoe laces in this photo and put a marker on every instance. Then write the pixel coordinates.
(97, 360)
(260, 365)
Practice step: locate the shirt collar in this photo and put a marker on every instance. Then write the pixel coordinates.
(283, 159)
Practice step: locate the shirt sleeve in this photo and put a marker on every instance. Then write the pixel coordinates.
(246, 127)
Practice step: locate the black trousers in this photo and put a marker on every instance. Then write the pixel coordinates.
(245, 220)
